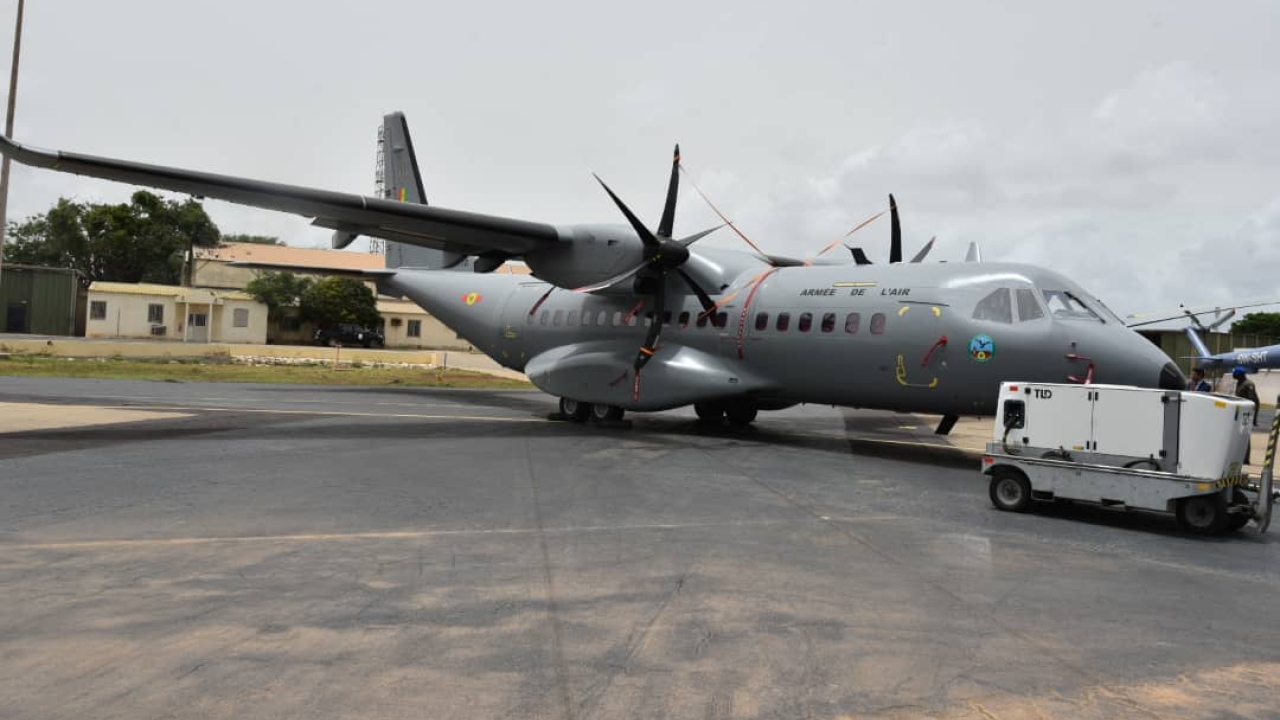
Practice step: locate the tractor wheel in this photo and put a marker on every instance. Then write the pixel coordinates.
(1010, 490)
(1203, 514)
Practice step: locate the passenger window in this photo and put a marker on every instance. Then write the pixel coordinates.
(806, 321)
(828, 322)
(666, 318)
(648, 319)
(630, 319)
(572, 318)
(995, 307)
(684, 319)
(851, 322)
(557, 318)
(545, 314)
(702, 320)
(1028, 308)
(762, 321)
(784, 321)
(603, 318)
(529, 318)
(617, 318)
(722, 319)
(877, 324)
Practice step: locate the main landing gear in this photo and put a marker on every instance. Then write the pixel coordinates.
(738, 414)
(580, 412)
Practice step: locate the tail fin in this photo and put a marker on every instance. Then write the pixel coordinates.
(1197, 343)
(402, 181)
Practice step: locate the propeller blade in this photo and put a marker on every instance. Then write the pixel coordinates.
(855, 229)
(703, 297)
(611, 281)
(895, 232)
(697, 236)
(669, 210)
(919, 257)
(655, 329)
(860, 257)
(645, 236)
(726, 220)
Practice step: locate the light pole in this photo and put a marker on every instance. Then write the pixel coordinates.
(8, 132)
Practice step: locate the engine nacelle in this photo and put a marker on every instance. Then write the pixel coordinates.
(586, 254)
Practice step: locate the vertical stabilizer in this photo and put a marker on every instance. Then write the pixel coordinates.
(402, 181)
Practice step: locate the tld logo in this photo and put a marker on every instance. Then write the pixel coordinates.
(1043, 394)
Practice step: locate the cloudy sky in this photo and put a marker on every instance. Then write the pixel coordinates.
(1133, 145)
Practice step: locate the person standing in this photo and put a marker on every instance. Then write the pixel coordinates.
(1246, 389)
(1197, 383)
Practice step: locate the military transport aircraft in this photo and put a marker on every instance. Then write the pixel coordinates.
(629, 317)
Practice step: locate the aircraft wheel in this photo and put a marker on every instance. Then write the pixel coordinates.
(741, 415)
(1010, 490)
(606, 413)
(1203, 514)
(709, 412)
(574, 410)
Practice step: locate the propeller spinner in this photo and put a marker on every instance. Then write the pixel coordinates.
(662, 255)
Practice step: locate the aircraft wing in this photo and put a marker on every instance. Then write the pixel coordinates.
(415, 224)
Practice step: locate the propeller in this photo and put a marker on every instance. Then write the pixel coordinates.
(895, 241)
(663, 255)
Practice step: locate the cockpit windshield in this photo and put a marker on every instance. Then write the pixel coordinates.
(1063, 304)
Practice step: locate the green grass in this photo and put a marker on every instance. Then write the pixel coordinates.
(224, 371)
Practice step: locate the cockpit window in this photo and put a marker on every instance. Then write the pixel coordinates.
(1028, 308)
(996, 307)
(1062, 304)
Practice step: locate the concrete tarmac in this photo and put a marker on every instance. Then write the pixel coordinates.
(303, 552)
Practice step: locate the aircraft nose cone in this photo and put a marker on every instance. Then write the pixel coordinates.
(1171, 378)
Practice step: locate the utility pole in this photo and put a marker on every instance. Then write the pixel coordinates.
(8, 132)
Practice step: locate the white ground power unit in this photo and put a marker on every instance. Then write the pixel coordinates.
(1126, 447)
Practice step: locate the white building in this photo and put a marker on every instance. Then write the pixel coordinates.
(167, 312)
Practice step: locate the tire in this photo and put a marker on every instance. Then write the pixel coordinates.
(574, 410)
(709, 412)
(741, 415)
(1203, 514)
(1237, 521)
(1010, 490)
(606, 413)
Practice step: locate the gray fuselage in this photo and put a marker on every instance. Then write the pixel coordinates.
(935, 338)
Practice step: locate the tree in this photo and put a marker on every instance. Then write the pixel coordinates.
(277, 290)
(255, 239)
(1266, 324)
(337, 300)
(145, 240)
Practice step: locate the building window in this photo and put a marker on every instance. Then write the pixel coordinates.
(98, 310)
(806, 322)
(877, 324)
(828, 322)
(239, 318)
(414, 328)
(851, 322)
(155, 314)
